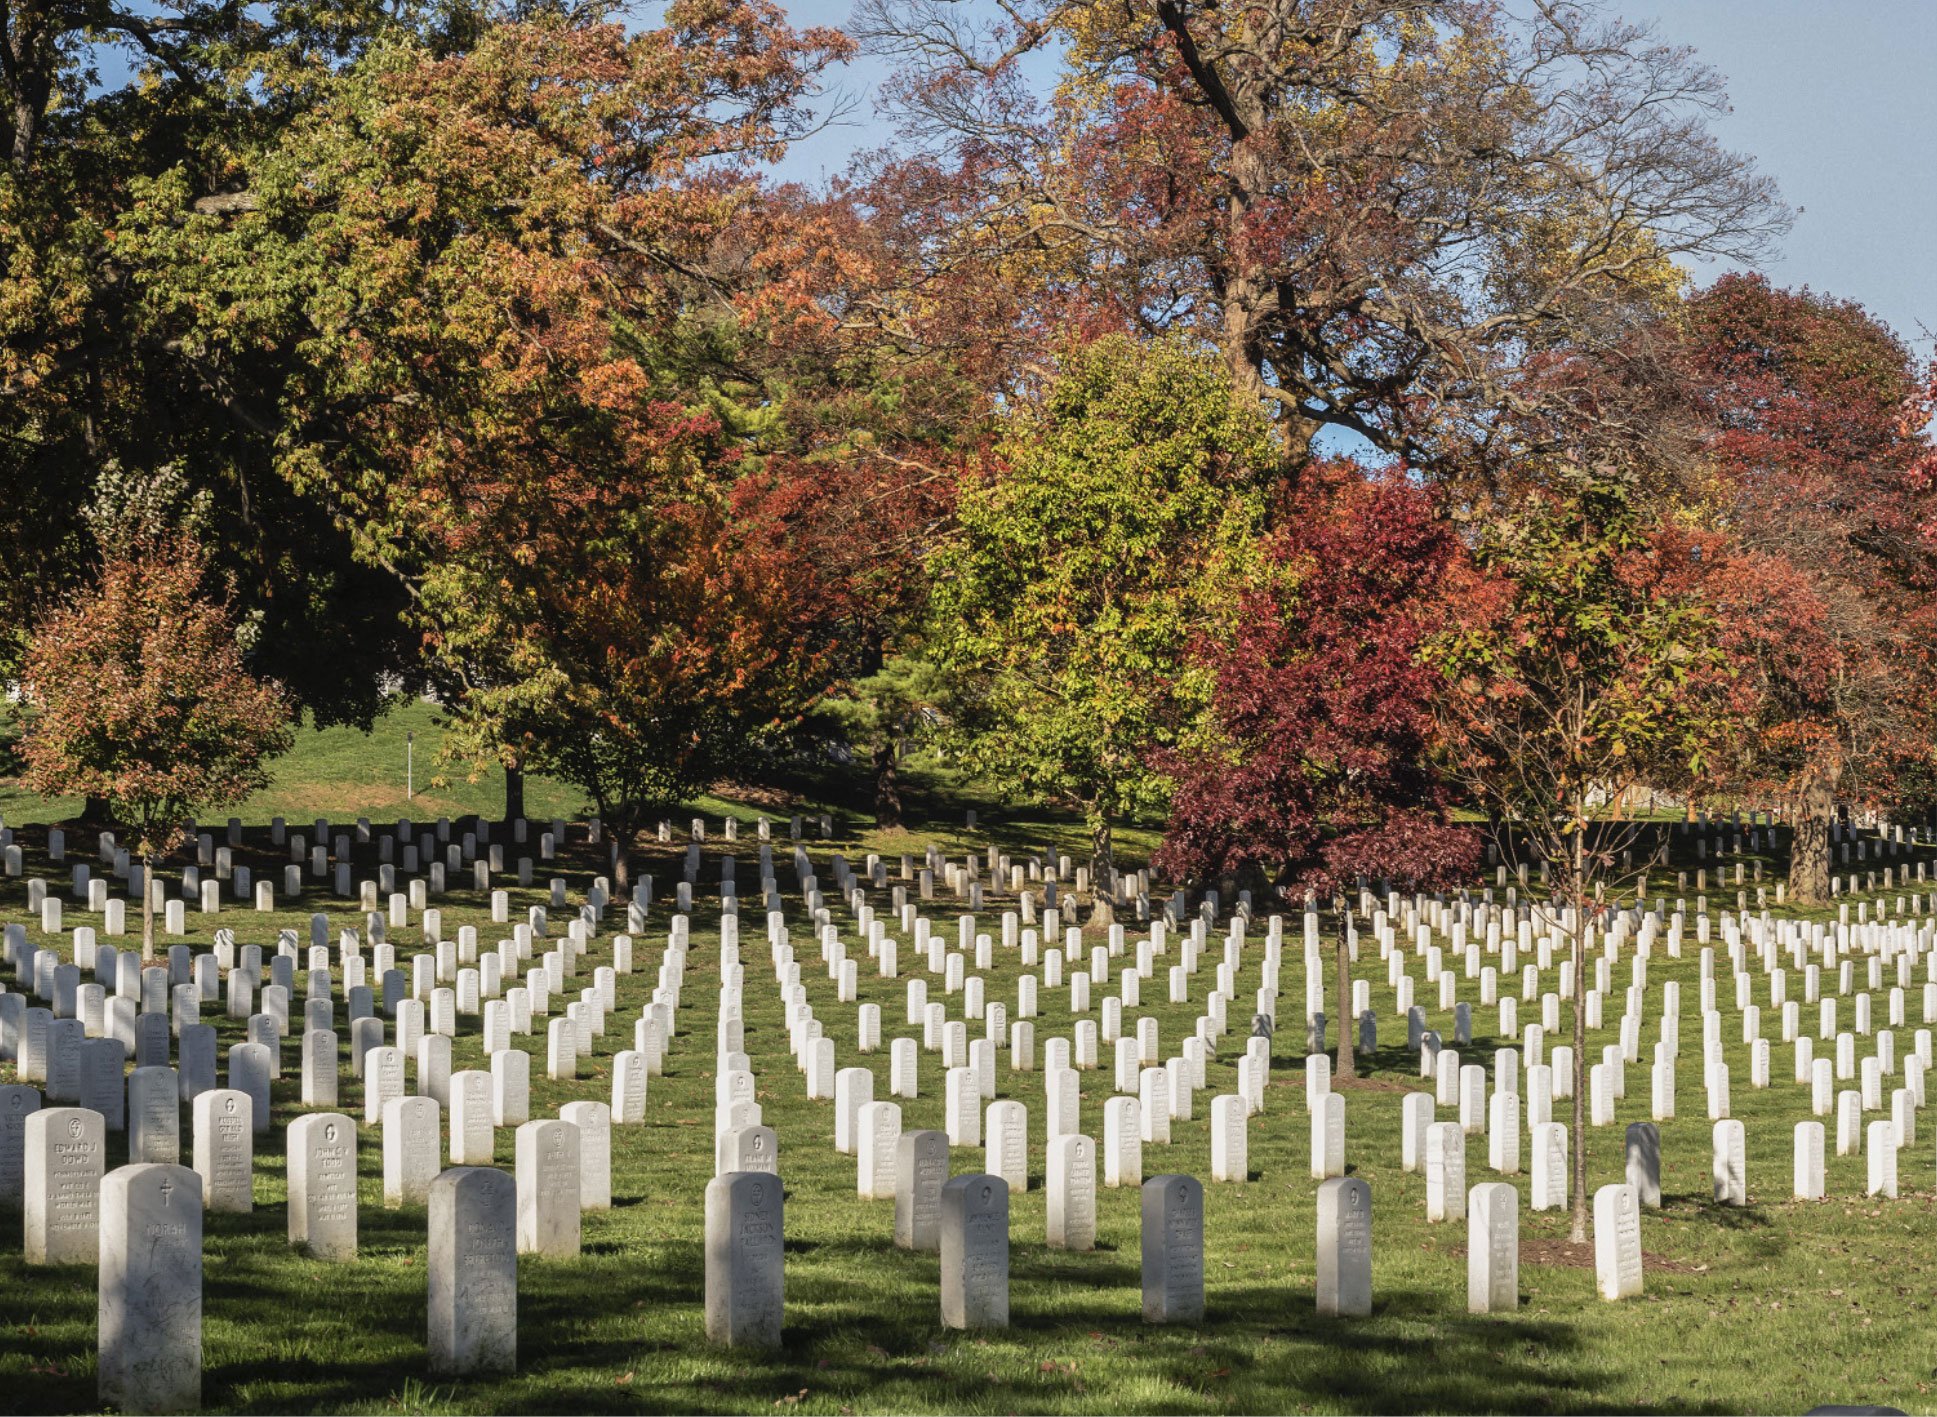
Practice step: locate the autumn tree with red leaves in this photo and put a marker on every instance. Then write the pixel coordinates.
(137, 692)
(1314, 770)
(1320, 722)
(1818, 552)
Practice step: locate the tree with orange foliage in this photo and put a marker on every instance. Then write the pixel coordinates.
(137, 692)
(517, 279)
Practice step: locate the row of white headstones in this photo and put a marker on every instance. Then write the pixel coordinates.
(564, 1030)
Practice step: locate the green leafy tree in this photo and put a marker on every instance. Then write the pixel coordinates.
(137, 693)
(1116, 522)
(1583, 664)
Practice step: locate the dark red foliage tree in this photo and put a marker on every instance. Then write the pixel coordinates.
(1322, 716)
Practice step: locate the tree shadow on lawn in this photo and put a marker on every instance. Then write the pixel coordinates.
(1238, 1360)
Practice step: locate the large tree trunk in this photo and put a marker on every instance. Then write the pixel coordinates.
(95, 812)
(1809, 844)
(1102, 873)
(887, 783)
(1342, 964)
(147, 910)
(514, 791)
(622, 863)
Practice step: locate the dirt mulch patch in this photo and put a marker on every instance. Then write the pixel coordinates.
(1367, 1085)
(773, 799)
(1565, 1254)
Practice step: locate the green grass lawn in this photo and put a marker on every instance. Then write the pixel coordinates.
(1776, 1307)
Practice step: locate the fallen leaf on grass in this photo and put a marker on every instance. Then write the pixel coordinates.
(624, 1379)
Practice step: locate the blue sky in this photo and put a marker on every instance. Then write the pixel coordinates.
(1834, 98)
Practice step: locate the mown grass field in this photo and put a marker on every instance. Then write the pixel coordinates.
(1776, 1307)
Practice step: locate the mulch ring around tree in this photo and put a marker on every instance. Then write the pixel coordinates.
(1565, 1254)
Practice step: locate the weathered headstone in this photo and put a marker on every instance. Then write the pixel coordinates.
(319, 1067)
(473, 1271)
(154, 1116)
(1445, 1171)
(18, 1102)
(322, 1186)
(249, 1073)
(472, 1109)
(1730, 1167)
(548, 1182)
(149, 1313)
(1173, 1250)
(1549, 1189)
(225, 1149)
(1230, 1149)
(64, 1160)
(1072, 1193)
(1617, 1242)
(1005, 1132)
(975, 1253)
(1809, 1161)
(921, 1170)
(1345, 1243)
(745, 1271)
(880, 1128)
(1644, 1162)
(594, 1123)
(1493, 1248)
(412, 1149)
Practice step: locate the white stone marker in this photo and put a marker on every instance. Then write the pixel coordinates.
(1173, 1250)
(225, 1151)
(1617, 1242)
(1005, 1132)
(975, 1253)
(1493, 1248)
(154, 1116)
(1416, 1114)
(1644, 1162)
(1445, 1171)
(322, 1185)
(1072, 1193)
(412, 1149)
(473, 1110)
(473, 1272)
(1328, 1137)
(1809, 1161)
(852, 1088)
(18, 1102)
(1230, 1150)
(548, 1181)
(319, 1067)
(1122, 1142)
(1730, 1165)
(149, 1314)
(1549, 1189)
(510, 1087)
(629, 1073)
(745, 1274)
(921, 1170)
(249, 1072)
(64, 1160)
(1345, 1243)
(383, 1081)
(963, 1107)
(1881, 1152)
(880, 1128)
(594, 1123)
